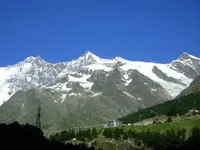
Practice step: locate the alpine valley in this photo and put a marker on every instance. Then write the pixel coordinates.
(89, 90)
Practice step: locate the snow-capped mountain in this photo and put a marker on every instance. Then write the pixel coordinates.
(100, 88)
(34, 72)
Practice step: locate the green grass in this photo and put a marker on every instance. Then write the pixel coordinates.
(162, 127)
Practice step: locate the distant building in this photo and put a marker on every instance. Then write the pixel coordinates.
(114, 123)
(129, 124)
(192, 112)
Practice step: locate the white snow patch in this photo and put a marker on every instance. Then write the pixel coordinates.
(64, 88)
(26, 67)
(28, 78)
(98, 67)
(87, 85)
(76, 79)
(4, 96)
(63, 73)
(60, 87)
(96, 94)
(74, 94)
(120, 59)
(194, 57)
(128, 82)
(153, 90)
(55, 101)
(63, 96)
(126, 76)
(128, 94)
(83, 81)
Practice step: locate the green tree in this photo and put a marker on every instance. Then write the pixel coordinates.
(169, 119)
(72, 134)
(94, 133)
(131, 133)
(172, 111)
(125, 136)
(108, 133)
(116, 133)
(88, 134)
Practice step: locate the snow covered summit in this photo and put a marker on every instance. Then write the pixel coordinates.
(34, 72)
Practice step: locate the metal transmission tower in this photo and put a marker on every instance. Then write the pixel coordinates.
(38, 121)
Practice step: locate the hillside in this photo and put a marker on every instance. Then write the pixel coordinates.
(193, 87)
(179, 106)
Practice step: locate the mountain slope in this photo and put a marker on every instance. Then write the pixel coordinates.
(179, 105)
(77, 107)
(101, 89)
(193, 87)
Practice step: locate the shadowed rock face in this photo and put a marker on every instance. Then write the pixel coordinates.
(112, 83)
(188, 65)
(164, 76)
(191, 60)
(185, 69)
(146, 90)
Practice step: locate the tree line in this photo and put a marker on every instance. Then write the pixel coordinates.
(169, 140)
(82, 135)
(179, 106)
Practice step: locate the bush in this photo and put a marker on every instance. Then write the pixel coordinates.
(169, 119)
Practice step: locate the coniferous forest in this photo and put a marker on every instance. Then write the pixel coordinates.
(155, 140)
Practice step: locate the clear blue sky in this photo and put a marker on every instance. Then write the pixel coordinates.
(61, 30)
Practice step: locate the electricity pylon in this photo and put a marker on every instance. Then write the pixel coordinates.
(38, 121)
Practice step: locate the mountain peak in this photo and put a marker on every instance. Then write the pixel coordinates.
(87, 52)
(120, 59)
(90, 54)
(185, 55)
(89, 57)
(34, 59)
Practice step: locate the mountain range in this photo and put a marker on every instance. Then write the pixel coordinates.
(89, 90)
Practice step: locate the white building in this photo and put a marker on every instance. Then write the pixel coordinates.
(114, 123)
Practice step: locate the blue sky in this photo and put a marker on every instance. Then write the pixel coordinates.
(61, 30)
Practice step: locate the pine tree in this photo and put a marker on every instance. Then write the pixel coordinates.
(169, 119)
(172, 111)
(94, 133)
(125, 136)
(117, 133)
(131, 133)
(108, 133)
